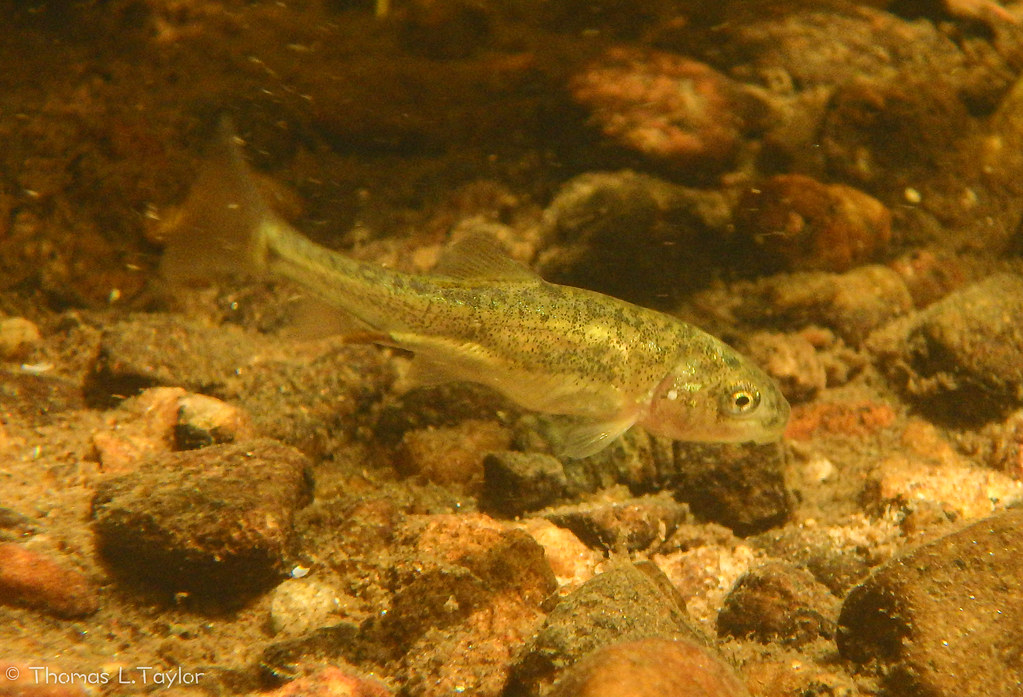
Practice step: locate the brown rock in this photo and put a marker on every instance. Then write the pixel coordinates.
(929, 276)
(623, 603)
(886, 133)
(514, 482)
(151, 350)
(836, 557)
(945, 619)
(797, 223)
(961, 359)
(792, 361)
(1005, 445)
(854, 303)
(36, 398)
(203, 420)
(784, 675)
(778, 601)
(18, 336)
(632, 236)
(215, 521)
(35, 580)
(140, 427)
(452, 454)
(466, 586)
(619, 526)
(652, 667)
(740, 486)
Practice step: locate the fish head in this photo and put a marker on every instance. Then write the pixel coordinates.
(719, 396)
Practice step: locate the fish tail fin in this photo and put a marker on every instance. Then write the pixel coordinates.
(223, 227)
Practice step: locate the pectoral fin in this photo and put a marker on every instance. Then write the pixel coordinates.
(426, 373)
(581, 438)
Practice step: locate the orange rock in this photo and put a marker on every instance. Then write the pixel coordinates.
(665, 106)
(33, 579)
(164, 419)
(139, 428)
(858, 419)
(332, 681)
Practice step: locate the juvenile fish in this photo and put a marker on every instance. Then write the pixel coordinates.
(482, 317)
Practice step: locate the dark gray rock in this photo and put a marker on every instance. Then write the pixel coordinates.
(215, 522)
(739, 486)
(945, 619)
(514, 483)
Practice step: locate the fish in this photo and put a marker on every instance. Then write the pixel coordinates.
(598, 364)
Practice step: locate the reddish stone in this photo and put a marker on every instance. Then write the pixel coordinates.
(665, 106)
(35, 580)
(857, 419)
(332, 681)
(798, 223)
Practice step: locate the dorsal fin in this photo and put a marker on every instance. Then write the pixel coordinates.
(479, 256)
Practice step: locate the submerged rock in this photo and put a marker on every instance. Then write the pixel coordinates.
(162, 419)
(961, 359)
(626, 602)
(854, 303)
(465, 586)
(666, 106)
(514, 482)
(152, 350)
(18, 336)
(631, 235)
(796, 223)
(216, 522)
(739, 486)
(792, 361)
(301, 605)
(333, 681)
(945, 619)
(452, 455)
(653, 667)
(35, 580)
(628, 525)
(779, 602)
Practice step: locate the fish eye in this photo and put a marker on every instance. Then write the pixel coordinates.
(741, 399)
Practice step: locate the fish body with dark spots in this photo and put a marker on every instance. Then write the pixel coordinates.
(482, 317)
